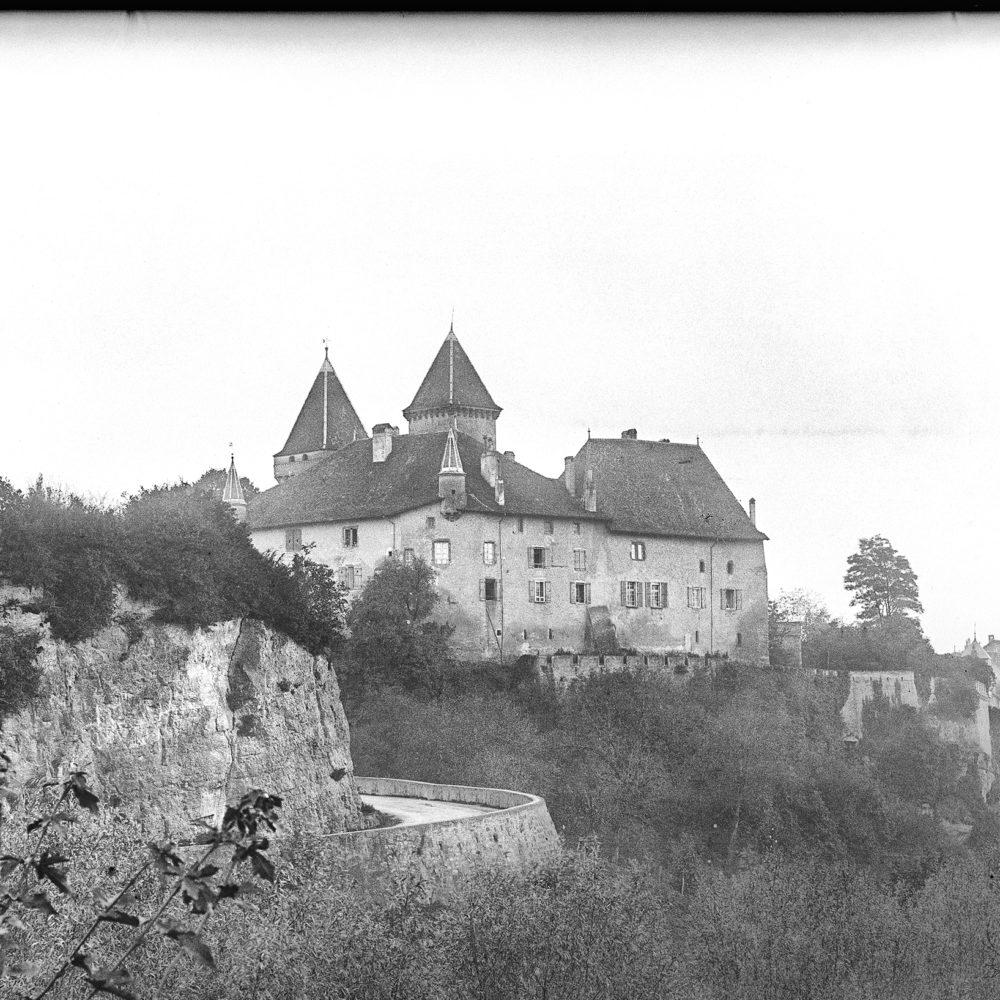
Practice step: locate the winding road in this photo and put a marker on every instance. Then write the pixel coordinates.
(408, 811)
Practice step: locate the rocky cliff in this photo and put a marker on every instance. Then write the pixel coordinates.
(171, 723)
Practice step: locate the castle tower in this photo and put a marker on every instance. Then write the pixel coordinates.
(326, 422)
(452, 395)
(232, 492)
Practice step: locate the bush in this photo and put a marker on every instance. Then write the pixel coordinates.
(19, 674)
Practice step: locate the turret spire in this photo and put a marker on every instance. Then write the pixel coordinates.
(232, 492)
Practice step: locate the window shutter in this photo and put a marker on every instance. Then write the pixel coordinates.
(623, 593)
(664, 595)
(531, 590)
(572, 593)
(586, 593)
(739, 600)
(546, 586)
(482, 590)
(649, 594)
(553, 555)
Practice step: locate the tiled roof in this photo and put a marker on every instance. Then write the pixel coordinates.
(342, 423)
(451, 380)
(349, 486)
(660, 488)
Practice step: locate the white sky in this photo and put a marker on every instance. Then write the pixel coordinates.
(778, 234)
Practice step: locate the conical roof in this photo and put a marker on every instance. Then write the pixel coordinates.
(232, 492)
(451, 460)
(327, 419)
(451, 380)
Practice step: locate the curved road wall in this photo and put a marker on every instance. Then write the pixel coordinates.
(517, 832)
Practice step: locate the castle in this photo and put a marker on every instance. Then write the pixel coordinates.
(638, 544)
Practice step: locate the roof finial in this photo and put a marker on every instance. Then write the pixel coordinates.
(451, 329)
(326, 348)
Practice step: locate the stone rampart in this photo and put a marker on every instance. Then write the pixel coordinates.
(518, 834)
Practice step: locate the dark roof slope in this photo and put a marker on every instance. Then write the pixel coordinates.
(342, 423)
(451, 380)
(660, 488)
(349, 486)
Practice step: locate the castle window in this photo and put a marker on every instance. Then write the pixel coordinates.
(696, 597)
(489, 553)
(430, 522)
(520, 525)
(580, 560)
(488, 589)
(350, 538)
(637, 550)
(696, 639)
(536, 556)
(701, 565)
(549, 528)
(524, 634)
(730, 566)
(538, 591)
(730, 600)
(576, 527)
(293, 539)
(550, 635)
(407, 557)
(631, 593)
(739, 638)
(656, 595)
(305, 458)
(441, 552)
(347, 577)
(579, 593)
(291, 458)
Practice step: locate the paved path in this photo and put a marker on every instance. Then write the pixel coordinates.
(409, 811)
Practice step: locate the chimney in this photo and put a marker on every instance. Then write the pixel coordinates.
(590, 493)
(630, 435)
(382, 435)
(509, 454)
(498, 486)
(990, 639)
(753, 512)
(569, 474)
(489, 465)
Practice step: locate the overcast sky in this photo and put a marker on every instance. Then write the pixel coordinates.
(778, 234)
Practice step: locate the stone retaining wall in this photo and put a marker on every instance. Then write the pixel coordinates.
(519, 834)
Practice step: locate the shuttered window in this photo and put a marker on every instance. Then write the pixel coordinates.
(696, 597)
(631, 593)
(656, 595)
(730, 599)
(579, 593)
(580, 560)
(537, 556)
(293, 539)
(488, 589)
(538, 591)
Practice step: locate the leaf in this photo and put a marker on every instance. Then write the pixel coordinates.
(37, 901)
(87, 799)
(82, 961)
(229, 891)
(262, 866)
(9, 863)
(207, 871)
(117, 916)
(47, 867)
(196, 948)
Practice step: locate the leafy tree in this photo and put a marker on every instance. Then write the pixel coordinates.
(19, 673)
(392, 637)
(882, 581)
(803, 605)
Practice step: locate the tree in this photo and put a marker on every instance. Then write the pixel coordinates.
(882, 581)
(804, 606)
(392, 638)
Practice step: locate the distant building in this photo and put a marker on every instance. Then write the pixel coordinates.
(638, 543)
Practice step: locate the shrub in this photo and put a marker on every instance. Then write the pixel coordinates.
(19, 674)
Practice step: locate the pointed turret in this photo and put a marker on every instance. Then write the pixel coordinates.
(232, 492)
(453, 394)
(451, 478)
(326, 422)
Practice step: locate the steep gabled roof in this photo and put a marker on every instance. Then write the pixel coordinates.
(328, 426)
(232, 492)
(660, 488)
(349, 486)
(451, 380)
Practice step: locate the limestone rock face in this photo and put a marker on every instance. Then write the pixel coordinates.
(175, 724)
